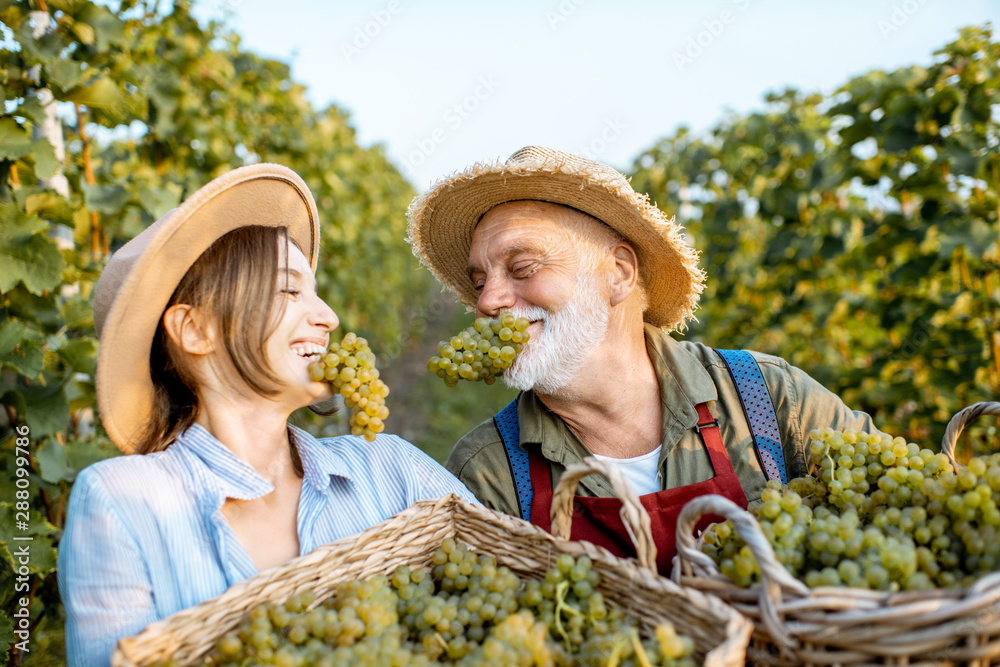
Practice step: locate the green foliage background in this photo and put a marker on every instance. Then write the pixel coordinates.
(855, 234)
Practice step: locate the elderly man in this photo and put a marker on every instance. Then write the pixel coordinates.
(603, 276)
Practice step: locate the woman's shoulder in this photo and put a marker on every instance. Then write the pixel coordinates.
(352, 453)
(133, 472)
(385, 446)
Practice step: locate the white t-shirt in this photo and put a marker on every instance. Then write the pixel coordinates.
(641, 470)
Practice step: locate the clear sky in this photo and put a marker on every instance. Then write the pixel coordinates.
(442, 84)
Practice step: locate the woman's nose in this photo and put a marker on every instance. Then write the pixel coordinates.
(324, 316)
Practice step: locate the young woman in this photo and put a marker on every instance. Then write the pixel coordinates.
(208, 321)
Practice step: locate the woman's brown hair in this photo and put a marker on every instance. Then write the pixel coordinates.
(234, 282)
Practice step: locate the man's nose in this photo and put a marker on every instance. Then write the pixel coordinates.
(495, 297)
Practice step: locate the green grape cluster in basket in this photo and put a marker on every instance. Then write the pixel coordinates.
(881, 513)
(465, 610)
(482, 351)
(350, 367)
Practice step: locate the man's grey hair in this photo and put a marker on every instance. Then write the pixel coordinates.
(595, 243)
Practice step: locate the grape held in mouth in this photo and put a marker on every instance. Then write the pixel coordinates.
(349, 366)
(482, 351)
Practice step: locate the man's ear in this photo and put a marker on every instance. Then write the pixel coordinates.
(188, 329)
(625, 272)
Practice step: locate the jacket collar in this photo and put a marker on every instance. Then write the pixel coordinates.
(684, 383)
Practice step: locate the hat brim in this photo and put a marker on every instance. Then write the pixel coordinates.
(262, 194)
(443, 220)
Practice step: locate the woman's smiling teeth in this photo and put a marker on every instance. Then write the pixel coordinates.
(308, 349)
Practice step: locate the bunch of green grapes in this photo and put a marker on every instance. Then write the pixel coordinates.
(465, 610)
(350, 367)
(880, 513)
(482, 351)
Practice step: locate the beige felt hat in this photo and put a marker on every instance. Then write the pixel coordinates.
(140, 278)
(443, 218)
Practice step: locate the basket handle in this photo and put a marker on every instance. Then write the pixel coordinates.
(633, 514)
(774, 577)
(960, 421)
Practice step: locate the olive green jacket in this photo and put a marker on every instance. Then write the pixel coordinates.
(689, 374)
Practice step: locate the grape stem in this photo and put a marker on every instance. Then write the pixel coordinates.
(561, 606)
(616, 652)
(640, 652)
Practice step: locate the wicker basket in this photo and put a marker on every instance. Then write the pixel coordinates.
(796, 625)
(410, 538)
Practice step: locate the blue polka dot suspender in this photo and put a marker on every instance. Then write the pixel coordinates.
(757, 408)
(510, 432)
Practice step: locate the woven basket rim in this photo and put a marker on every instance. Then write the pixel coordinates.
(834, 625)
(446, 516)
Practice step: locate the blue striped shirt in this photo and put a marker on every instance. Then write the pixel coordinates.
(145, 536)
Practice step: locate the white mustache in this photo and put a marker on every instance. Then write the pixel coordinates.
(551, 361)
(532, 314)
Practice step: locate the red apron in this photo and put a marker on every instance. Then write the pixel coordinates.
(598, 520)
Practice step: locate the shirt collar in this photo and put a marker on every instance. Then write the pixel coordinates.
(319, 461)
(235, 478)
(229, 474)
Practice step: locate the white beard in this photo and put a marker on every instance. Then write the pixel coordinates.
(553, 358)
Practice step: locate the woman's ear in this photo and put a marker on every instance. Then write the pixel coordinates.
(625, 273)
(188, 329)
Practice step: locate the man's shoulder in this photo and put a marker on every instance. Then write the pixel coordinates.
(710, 358)
(475, 445)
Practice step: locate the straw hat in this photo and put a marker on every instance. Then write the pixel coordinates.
(443, 218)
(139, 279)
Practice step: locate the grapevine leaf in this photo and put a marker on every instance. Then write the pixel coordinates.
(137, 104)
(12, 396)
(962, 161)
(37, 263)
(37, 309)
(77, 313)
(109, 30)
(102, 94)
(31, 109)
(108, 199)
(82, 453)
(14, 141)
(50, 206)
(80, 354)
(41, 556)
(16, 227)
(6, 626)
(51, 457)
(65, 74)
(160, 200)
(83, 32)
(11, 333)
(10, 14)
(45, 49)
(81, 224)
(47, 411)
(46, 163)
(975, 235)
(26, 358)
